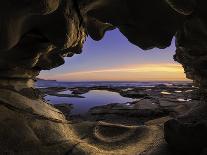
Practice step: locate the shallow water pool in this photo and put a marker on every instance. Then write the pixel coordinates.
(92, 98)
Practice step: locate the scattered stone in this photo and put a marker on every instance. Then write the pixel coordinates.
(146, 104)
(133, 94)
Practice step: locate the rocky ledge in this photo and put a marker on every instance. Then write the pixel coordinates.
(35, 127)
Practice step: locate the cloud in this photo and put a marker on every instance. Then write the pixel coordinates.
(133, 72)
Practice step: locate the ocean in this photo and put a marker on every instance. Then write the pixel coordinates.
(53, 83)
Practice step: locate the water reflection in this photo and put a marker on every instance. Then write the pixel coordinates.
(92, 98)
(165, 93)
(183, 100)
(178, 91)
(65, 92)
(188, 91)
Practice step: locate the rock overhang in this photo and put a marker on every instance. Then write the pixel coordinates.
(37, 35)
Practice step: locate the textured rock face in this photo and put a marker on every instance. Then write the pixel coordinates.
(147, 23)
(35, 35)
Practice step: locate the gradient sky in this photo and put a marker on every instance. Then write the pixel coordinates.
(115, 59)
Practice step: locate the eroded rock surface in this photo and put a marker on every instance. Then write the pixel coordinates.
(35, 35)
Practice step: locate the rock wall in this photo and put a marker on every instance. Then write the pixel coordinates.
(36, 35)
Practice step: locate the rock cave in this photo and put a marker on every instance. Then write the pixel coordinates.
(36, 35)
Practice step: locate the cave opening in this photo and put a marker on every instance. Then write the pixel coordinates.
(115, 63)
(160, 118)
(114, 55)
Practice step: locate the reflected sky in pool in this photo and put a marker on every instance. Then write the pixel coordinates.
(92, 98)
(65, 92)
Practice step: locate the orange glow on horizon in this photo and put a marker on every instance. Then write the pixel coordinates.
(144, 72)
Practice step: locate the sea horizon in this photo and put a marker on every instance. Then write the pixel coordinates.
(116, 80)
(55, 83)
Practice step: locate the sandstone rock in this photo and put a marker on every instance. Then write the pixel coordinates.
(186, 138)
(36, 35)
(112, 139)
(146, 104)
(133, 94)
(79, 91)
(168, 103)
(32, 126)
(123, 110)
(185, 7)
(64, 108)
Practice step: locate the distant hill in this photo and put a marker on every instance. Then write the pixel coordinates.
(44, 80)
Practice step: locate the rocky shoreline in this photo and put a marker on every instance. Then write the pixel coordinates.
(137, 126)
(151, 103)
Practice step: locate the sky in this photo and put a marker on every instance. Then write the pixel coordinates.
(114, 58)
